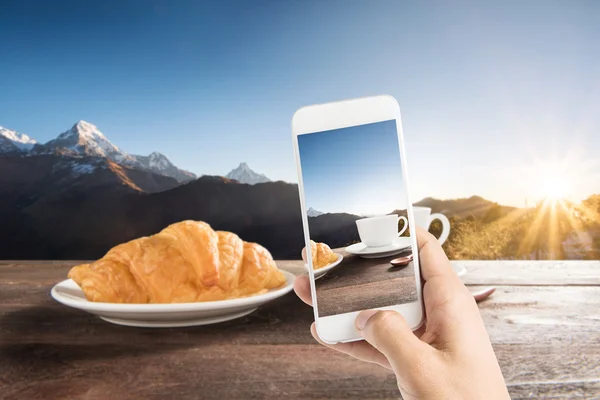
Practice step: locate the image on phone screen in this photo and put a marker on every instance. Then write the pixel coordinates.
(356, 204)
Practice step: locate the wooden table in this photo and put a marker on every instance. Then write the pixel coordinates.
(544, 321)
(350, 286)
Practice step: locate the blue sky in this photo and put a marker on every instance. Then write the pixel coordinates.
(356, 170)
(495, 97)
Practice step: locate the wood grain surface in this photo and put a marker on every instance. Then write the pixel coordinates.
(360, 284)
(531, 273)
(545, 331)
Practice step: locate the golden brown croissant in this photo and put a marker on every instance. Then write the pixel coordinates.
(185, 262)
(321, 254)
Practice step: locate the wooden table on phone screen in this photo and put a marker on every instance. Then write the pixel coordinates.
(544, 322)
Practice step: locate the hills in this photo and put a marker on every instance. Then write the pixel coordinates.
(471, 206)
(84, 221)
(42, 175)
(59, 207)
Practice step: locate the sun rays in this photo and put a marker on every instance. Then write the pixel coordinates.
(541, 231)
(553, 184)
(552, 222)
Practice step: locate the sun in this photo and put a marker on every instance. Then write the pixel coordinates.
(554, 186)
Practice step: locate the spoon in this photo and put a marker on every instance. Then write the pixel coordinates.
(483, 293)
(401, 261)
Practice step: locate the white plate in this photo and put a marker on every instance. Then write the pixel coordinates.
(459, 269)
(360, 249)
(319, 273)
(70, 294)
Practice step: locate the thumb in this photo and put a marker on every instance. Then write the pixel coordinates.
(389, 333)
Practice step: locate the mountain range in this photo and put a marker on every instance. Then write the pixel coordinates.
(84, 139)
(12, 142)
(78, 195)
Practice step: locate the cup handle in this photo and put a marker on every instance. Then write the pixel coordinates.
(445, 226)
(405, 227)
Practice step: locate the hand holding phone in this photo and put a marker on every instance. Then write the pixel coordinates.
(449, 357)
(353, 185)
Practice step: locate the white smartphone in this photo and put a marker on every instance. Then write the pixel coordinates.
(356, 209)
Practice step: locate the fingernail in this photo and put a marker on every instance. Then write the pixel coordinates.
(363, 317)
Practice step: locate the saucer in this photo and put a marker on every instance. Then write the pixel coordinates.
(362, 250)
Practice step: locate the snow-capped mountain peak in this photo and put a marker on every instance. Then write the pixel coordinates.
(160, 164)
(313, 213)
(244, 174)
(86, 139)
(85, 129)
(20, 140)
(158, 160)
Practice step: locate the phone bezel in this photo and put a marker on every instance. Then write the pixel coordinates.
(342, 114)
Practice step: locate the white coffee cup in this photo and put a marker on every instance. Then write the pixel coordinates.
(380, 231)
(424, 218)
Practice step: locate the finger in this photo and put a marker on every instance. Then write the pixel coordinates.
(302, 289)
(432, 259)
(360, 350)
(419, 332)
(389, 333)
(446, 305)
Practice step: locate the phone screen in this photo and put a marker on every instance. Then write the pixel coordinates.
(356, 204)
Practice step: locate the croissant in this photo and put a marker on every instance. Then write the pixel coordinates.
(321, 254)
(185, 262)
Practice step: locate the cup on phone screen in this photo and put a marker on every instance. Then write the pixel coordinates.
(381, 230)
(424, 218)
